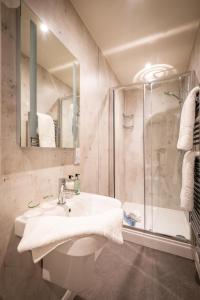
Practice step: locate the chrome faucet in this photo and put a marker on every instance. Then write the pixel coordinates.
(61, 191)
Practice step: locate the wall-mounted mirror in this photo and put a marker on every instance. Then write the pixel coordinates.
(50, 80)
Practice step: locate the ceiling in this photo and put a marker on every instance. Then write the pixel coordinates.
(132, 33)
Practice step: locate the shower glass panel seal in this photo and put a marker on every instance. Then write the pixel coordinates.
(162, 235)
(142, 85)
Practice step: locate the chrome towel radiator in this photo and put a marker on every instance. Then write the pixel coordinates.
(195, 214)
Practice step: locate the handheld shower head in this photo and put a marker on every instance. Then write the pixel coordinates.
(168, 93)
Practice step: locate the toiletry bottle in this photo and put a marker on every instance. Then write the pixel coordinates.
(77, 184)
(70, 183)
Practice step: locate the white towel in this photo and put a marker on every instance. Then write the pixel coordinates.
(185, 140)
(43, 234)
(187, 188)
(46, 131)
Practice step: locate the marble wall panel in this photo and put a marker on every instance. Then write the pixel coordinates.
(194, 64)
(134, 164)
(120, 154)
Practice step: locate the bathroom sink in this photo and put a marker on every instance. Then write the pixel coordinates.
(85, 204)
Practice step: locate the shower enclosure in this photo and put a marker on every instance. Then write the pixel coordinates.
(145, 163)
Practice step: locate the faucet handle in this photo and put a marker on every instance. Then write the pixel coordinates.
(61, 190)
(61, 181)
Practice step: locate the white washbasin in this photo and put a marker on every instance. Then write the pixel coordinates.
(84, 204)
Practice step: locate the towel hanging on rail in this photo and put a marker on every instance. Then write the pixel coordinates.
(185, 140)
(187, 188)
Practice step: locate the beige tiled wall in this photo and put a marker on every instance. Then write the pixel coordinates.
(194, 64)
(28, 174)
(95, 79)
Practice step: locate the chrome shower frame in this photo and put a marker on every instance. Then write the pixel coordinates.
(130, 231)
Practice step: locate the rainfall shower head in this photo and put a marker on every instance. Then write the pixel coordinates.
(168, 93)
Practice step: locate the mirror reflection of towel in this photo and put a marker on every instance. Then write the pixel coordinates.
(46, 131)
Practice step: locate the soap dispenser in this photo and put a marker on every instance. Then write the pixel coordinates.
(70, 183)
(77, 184)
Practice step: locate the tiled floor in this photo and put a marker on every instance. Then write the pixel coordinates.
(21, 279)
(127, 272)
(133, 272)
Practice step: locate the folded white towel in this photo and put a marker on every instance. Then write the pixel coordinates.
(185, 140)
(187, 188)
(44, 234)
(46, 131)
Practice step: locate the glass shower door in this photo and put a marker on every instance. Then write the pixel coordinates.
(129, 153)
(163, 162)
